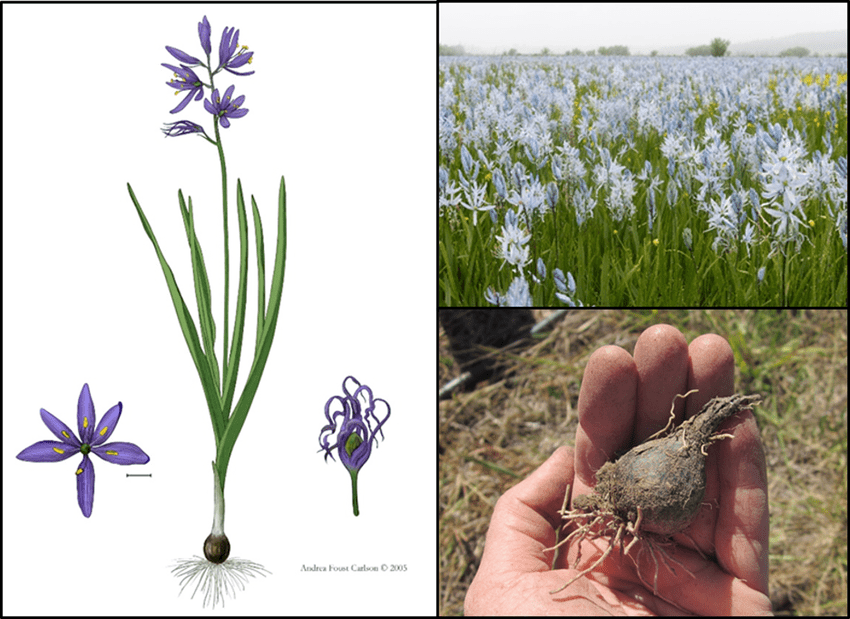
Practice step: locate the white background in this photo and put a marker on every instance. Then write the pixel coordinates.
(342, 103)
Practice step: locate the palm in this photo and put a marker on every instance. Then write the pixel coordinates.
(623, 401)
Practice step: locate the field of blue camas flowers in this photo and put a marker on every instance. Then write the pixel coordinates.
(643, 181)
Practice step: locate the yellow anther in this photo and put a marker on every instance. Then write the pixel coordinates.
(79, 471)
(111, 453)
(102, 432)
(250, 59)
(59, 451)
(85, 422)
(65, 434)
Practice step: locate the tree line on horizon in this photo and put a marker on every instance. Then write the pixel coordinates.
(718, 48)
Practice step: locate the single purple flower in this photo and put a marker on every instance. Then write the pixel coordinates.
(204, 35)
(183, 127)
(225, 108)
(230, 55)
(187, 80)
(92, 438)
(353, 440)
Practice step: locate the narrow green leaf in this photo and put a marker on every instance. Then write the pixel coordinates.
(261, 272)
(239, 322)
(205, 283)
(202, 289)
(187, 326)
(237, 420)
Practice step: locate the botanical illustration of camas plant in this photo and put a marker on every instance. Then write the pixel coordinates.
(643, 181)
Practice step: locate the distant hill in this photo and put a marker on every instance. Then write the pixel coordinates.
(821, 43)
(831, 43)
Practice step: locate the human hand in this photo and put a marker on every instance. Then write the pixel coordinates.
(623, 401)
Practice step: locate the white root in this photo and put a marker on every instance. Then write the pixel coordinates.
(663, 430)
(613, 524)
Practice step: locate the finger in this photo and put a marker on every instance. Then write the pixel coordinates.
(521, 527)
(698, 586)
(606, 406)
(741, 533)
(711, 371)
(525, 517)
(661, 356)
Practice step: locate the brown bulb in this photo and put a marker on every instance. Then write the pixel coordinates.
(216, 548)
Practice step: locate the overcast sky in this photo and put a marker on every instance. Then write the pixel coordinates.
(528, 27)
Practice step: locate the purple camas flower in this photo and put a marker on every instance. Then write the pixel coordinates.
(230, 55)
(353, 430)
(204, 35)
(225, 108)
(182, 127)
(187, 80)
(91, 441)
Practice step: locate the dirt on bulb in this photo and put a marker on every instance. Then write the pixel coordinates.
(653, 491)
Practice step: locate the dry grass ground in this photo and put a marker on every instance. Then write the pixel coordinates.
(498, 433)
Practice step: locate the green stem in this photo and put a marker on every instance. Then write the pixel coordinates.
(784, 262)
(226, 331)
(354, 491)
(226, 239)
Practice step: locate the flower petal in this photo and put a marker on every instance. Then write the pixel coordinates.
(174, 69)
(240, 60)
(204, 34)
(238, 73)
(345, 389)
(122, 453)
(183, 103)
(224, 52)
(62, 432)
(48, 451)
(107, 424)
(85, 415)
(182, 56)
(85, 486)
(227, 94)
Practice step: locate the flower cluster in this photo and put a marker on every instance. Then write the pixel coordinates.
(513, 249)
(230, 56)
(784, 186)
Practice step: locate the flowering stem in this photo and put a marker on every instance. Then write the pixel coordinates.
(784, 263)
(226, 253)
(226, 238)
(354, 491)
